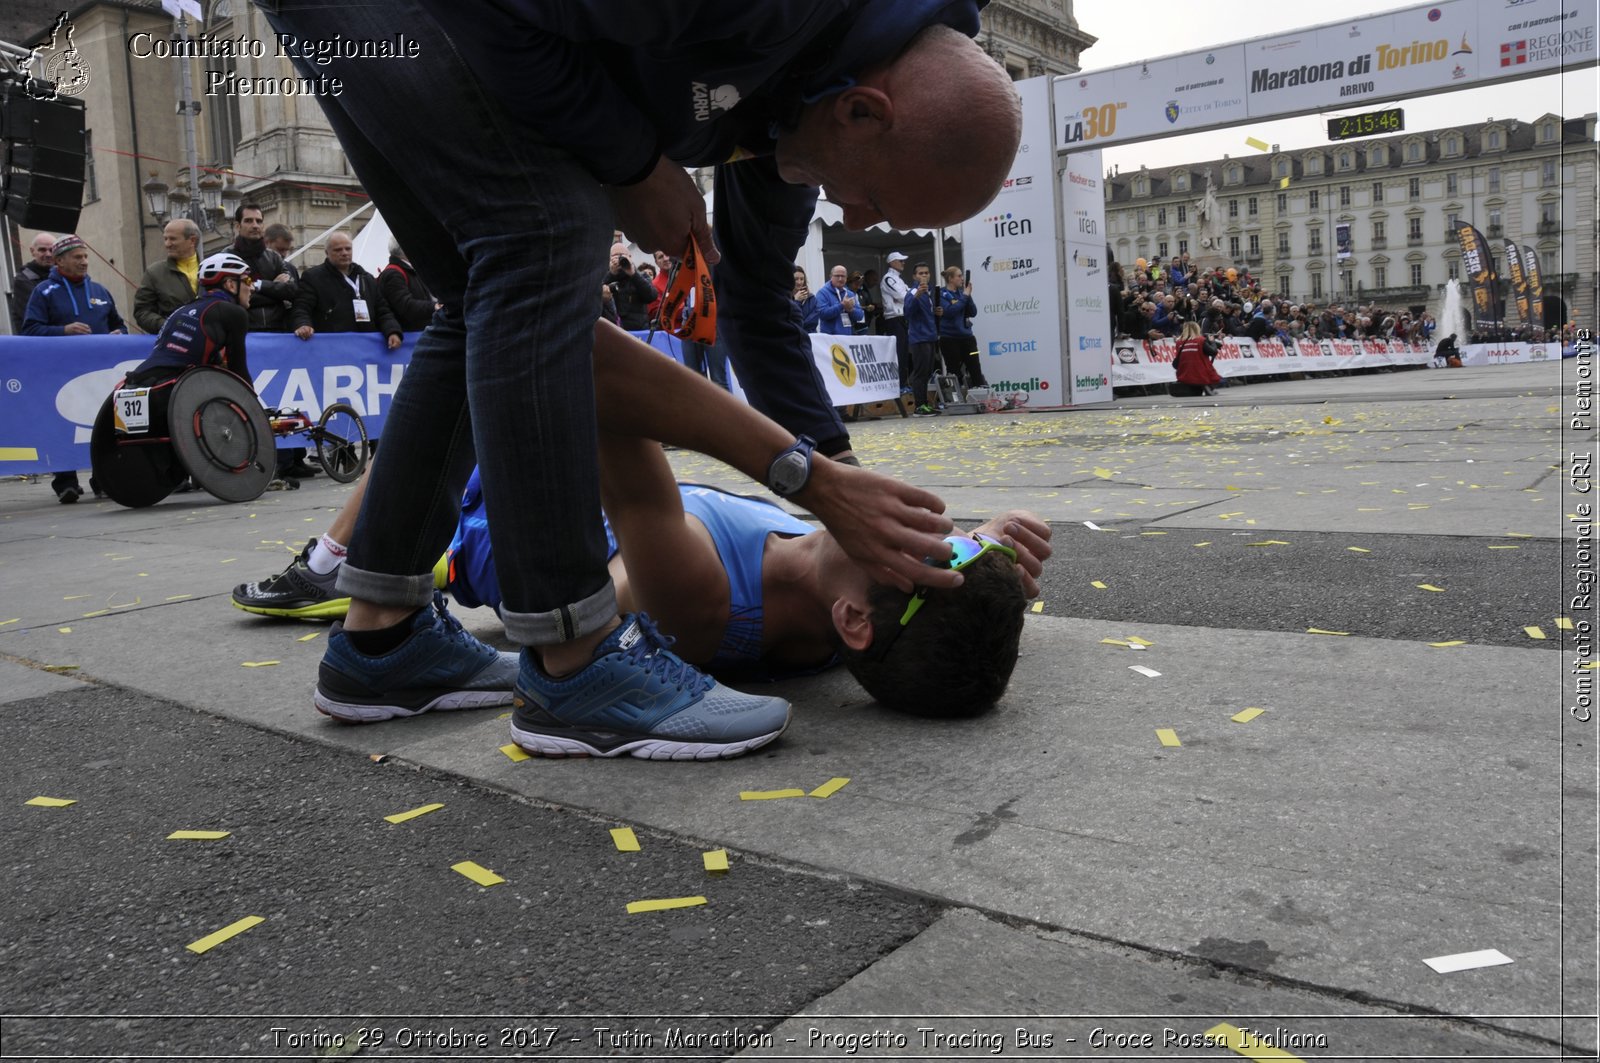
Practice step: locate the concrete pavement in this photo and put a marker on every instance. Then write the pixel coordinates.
(1395, 800)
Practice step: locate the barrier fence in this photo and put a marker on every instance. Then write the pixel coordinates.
(1137, 362)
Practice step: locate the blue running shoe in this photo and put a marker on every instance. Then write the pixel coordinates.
(439, 666)
(638, 698)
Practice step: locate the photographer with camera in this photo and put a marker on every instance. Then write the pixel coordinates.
(631, 294)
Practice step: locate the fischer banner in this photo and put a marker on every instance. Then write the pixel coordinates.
(1150, 361)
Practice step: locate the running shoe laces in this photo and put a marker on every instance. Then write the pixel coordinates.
(649, 650)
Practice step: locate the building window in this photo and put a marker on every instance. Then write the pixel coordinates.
(1316, 286)
(1494, 222)
(1347, 279)
(1283, 243)
(1280, 168)
(1180, 183)
(1413, 152)
(91, 187)
(1453, 269)
(1494, 140)
(1161, 250)
(1138, 186)
(1547, 214)
(1255, 245)
(1138, 220)
(1452, 146)
(222, 115)
(1344, 195)
(1547, 132)
(1233, 208)
(1494, 178)
(1414, 189)
(1548, 176)
(1452, 184)
(1416, 274)
(1233, 247)
(1414, 228)
(1313, 241)
(1344, 160)
(1250, 206)
(1378, 232)
(1183, 246)
(1314, 199)
(1380, 276)
(1283, 202)
(1377, 191)
(1161, 217)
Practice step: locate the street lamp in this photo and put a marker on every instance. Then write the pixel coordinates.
(210, 187)
(178, 200)
(231, 197)
(155, 191)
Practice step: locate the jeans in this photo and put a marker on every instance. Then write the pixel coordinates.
(508, 232)
(922, 356)
(708, 360)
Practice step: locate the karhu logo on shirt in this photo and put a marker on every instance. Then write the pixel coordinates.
(711, 102)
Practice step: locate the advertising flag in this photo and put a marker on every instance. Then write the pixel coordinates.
(1341, 236)
(1519, 282)
(1530, 269)
(1477, 266)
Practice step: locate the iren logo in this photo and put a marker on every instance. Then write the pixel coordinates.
(1009, 224)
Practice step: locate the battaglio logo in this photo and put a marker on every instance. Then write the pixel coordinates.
(1084, 382)
(1031, 384)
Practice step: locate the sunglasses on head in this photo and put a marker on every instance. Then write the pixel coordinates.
(964, 550)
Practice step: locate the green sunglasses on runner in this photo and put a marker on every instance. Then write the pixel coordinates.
(964, 550)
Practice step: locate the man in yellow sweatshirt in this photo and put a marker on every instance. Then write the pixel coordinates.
(169, 283)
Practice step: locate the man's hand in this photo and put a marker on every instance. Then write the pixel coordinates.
(282, 278)
(305, 332)
(1029, 536)
(890, 527)
(77, 328)
(661, 212)
(393, 340)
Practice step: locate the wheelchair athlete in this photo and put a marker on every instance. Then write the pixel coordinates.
(208, 331)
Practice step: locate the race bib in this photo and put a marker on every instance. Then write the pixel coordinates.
(131, 410)
(362, 313)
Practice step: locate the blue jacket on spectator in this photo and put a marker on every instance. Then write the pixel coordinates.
(831, 317)
(1167, 323)
(808, 313)
(958, 310)
(920, 326)
(57, 303)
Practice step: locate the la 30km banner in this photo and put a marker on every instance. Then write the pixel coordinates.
(1415, 51)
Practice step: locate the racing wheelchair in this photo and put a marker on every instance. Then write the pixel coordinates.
(206, 423)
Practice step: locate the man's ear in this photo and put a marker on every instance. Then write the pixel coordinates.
(864, 109)
(853, 623)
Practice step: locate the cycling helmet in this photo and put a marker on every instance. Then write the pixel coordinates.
(218, 267)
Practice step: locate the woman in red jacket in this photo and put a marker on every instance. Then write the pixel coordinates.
(1192, 363)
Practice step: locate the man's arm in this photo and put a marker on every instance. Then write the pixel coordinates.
(382, 315)
(305, 304)
(228, 324)
(886, 525)
(36, 319)
(147, 305)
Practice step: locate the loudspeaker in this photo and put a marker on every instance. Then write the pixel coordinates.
(41, 186)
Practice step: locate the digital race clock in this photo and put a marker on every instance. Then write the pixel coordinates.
(1369, 123)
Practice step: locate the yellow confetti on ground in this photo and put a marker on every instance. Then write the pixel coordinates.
(1430, 587)
(308, 638)
(1321, 631)
(1505, 548)
(227, 561)
(1137, 641)
(477, 873)
(624, 839)
(1591, 664)
(1206, 543)
(1168, 736)
(716, 861)
(179, 597)
(1447, 645)
(1038, 607)
(51, 802)
(1153, 533)
(516, 752)
(1358, 549)
(1246, 715)
(1247, 1044)
(831, 787)
(13, 620)
(211, 941)
(1563, 623)
(1269, 542)
(421, 810)
(74, 597)
(1534, 632)
(635, 907)
(1114, 642)
(259, 664)
(768, 795)
(1518, 535)
(197, 835)
(64, 630)
(1097, 585)
(97, 612)
(1104, 474)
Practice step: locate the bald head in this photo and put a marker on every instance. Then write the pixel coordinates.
(43, 248)
(941, 109)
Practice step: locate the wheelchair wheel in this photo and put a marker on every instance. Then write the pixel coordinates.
(342, 445)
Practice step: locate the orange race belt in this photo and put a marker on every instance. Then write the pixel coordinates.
(689, 307)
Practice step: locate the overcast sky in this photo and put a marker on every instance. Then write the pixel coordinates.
(1133, 32)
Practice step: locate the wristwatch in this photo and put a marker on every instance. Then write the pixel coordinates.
(791, 470)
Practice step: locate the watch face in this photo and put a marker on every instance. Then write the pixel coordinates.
(789, 473)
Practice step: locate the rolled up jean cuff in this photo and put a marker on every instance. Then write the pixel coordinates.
(564, 624)
(382, 588)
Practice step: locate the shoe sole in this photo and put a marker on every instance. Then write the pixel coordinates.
(355, 712)
(547, 745)
(334, 609)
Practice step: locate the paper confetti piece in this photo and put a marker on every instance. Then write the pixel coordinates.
(1564, 623)
(74, 597)
(1269, 542)
(1590, 664)
(1259, 145)
(1518, 535)
(1097, 585)
(13, 620)
(635, 907)
(1246, 715)
(1206, 543)
(232, 930)
(768, 795)
(1137, 641)
(1091, 525)
(1534, 632)
(1038, 607)
(1430, 587)
(716, 860)
(1104, 474)
(197, 835)
(477, 873)
(1358, 550)
(624, 839)
(516, 752)
(51, 802)
(1447, 645)
(259, 664)
(1168, 736)
(97, 612)
(421, 810)
(1113, 642)
(64, 630)
(1283, 182)
(308, 638)
(1137, 502)
(831, 787)
(1248, 1044)
(1505, 548)
(1466, 961)
(1321, 631)
(1142, 670)
(179, 597)
(227, 561)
